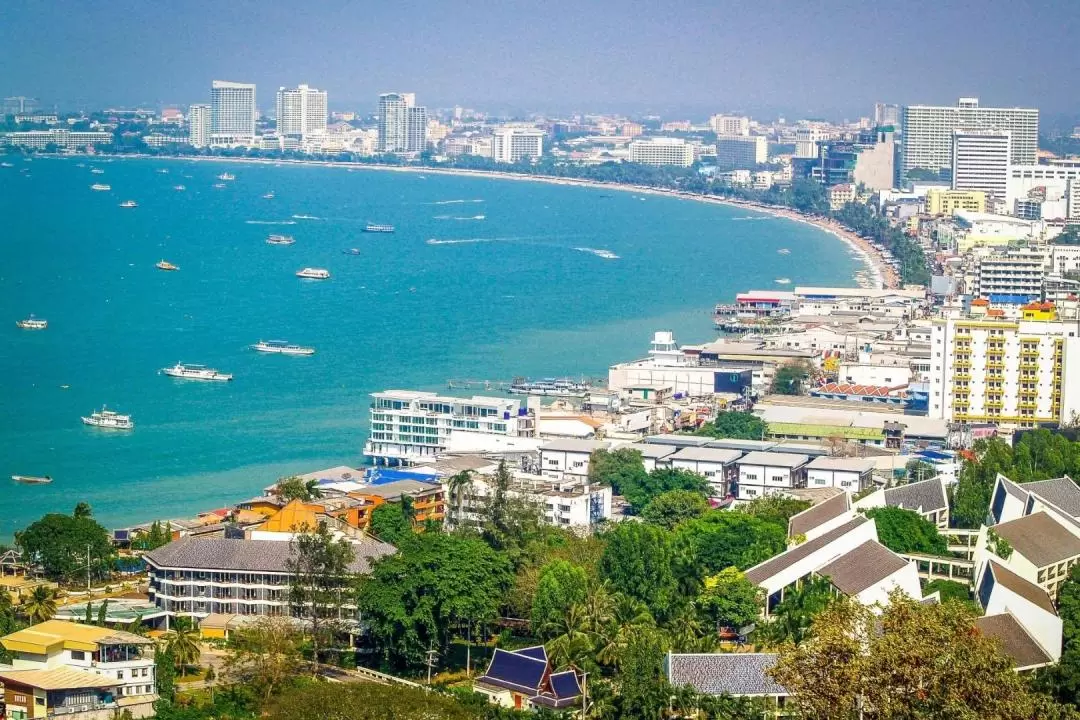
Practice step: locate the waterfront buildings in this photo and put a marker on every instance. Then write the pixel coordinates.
(509, 144)
(402, 124)
(662, 151)
(301, 111)
(741, 151)
(928, 132)
(199, 125)
(980, 161)
(232, 109)
(62, 138)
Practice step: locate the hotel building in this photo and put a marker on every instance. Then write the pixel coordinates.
(662, 151)
(980, 161)
(946, 202)
(402, 124)
(510, 144)
(301, 111)
(232, 109)
(741, 151)
(199, 125)
(61, 138)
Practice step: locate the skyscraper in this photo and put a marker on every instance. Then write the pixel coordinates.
(301, 111)
(402, 123)
(928, 132)
(232, 108)
(886, 115)
(199, 125)
(416, 136)
(981, 161)
(510, 144)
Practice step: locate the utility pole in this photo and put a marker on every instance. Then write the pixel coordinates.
(431, 653)
(584, 694)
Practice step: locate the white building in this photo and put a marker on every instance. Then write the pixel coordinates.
(741, 151)
(768, 473)
(407, 425)
(928, 132)
(569, 502)
(718, 465)
(807, 140)
(730, 124)
(662, 151)
(301, 111)
(62, 138)
(980, 161)
(568, 458)
(886, 115)
(232, 109)
(849, 474)
(510, 144)
(199, 125)
(416, 129)
(402, 123)
(1015, 272)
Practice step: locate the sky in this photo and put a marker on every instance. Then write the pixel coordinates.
(830, 58)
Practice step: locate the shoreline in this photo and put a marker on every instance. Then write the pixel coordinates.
(879, 274)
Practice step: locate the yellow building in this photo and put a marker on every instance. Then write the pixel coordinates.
(946, 202)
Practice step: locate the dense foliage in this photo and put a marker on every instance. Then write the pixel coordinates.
(624, 470)
(737, 425)
(791, 379)
(905, 531)
(672, 507)
(63, 544)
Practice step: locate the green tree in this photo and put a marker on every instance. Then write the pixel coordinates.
(628, 616)
(730, 600)
(643, 688)
(458, 487)
(722, 539)
(971, 495)
(738, 425)
(905, 531)
(60, 543)
(776, 509)
(562, 586)
(918, 470)
(295, 487)
(82, 510)
(389, 524)
(950, 590)
(164, 672)
(320, 582)
(638, 562)
(510, 522)
(264, 655)
(1062, 681)
(792, 617)
(368, 701)
(624, 471)
(182, 642)
(791, 379)
(670, 508)
(40, 605)
(809, 196)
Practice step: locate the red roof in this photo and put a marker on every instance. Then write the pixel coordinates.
(995, 312)
(1042, 306)
(980, 302)
(866, 390)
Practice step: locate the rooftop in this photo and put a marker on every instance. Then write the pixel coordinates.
(579, 446)
(924, 496)
(59, 679)
(771, 567)
(862, 567)
(54, 635)
(1040, 539)
(859, 465)
(818, 515)
(1025, 652)
(249, 555)
(707, 454)
(1060, 492)
(1018, 585)
(650, 450)
(773, 459)
(737, 674)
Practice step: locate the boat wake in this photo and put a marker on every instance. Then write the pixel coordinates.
(270, 222)
(457, 202)
(754, 217)
(306, 217)
(598, 252)
(464, 241)
(457, 217)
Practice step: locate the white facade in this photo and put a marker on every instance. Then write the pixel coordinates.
(393, 123)
(301, 111)
(567, 502)
(730, 124)
(510, 144)
(416, 129)
(568, 458)
(786, 569)
(407, 426)
(741, 151)
(717, 465)
(1016, 272)
(662, 151)
(807, 140)
(199, 125)
(768, 473)
(928, 132)
(848, 474)
(233, 109)
(980, 161)
(61, 138)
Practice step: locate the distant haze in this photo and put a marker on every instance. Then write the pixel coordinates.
(831, 59)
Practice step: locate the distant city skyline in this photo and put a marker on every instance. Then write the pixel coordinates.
(767, 59)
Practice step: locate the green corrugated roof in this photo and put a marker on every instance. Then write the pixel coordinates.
(853, 433)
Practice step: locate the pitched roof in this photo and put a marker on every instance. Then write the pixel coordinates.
(763, 571)
(250, 555)
(1025, 652)
(572, 445)
(1025, 589)
(57, 634)
(59, 679)
(514, 671)
(737, 674)
(293, 517)
(818, 515)
(652, 450)
(1040, 538)
(859, 465)
(862, 567)
(774, 459)
(1060, 492)
(565, 691)
(929, 495)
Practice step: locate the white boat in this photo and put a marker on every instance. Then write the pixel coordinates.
(280, 240)
(97, 171)
(268, 196)
(783, 281)
(108, 419)
(6, 164)
(166, 265)
(129, 204)
(314, 274)
(282, 347)
(226, 176)
(784, 251)
(550, 387)
(163, 171)
(100, 187)
(377, 228)
(32, 479)
(352, 251)
(179, 187)
(195, 372)
(32, 323)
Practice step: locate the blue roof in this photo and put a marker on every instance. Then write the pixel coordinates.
(936, 455)
(565, 684)
(537, 652)
(1006, 299)
(515, 671)
(382, 476)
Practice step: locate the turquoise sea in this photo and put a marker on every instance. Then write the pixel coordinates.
(510, 288)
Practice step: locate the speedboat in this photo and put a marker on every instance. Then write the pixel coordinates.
(783, 281)
(108, 419)
(163, 171)
(32, 479)
(195, 372)
(129, 204)
(352, 251)
(32, 323)
(376, 228)
(6, 164)
(226, 176)
(784, 251)
(166, 265)
(179, 187)
(280, 240)
(100, 187)
(314, 274)
(97, 171)
(281, 347)
(219, 185)
(269, 196)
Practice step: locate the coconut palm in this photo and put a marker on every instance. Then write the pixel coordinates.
(599, 606)
(628, 616)
(41, 605)
(183, 642)
(459, 485)
(571, 643)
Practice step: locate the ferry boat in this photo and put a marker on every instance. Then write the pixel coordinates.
(100, 187)
(32, 323)
(281, 347)
(269, 195)
(166, 265)
(108, 419)
(129, 204)
(32, 479)
(314, 274)
(376, 228)
(280, 240)
(226, 176)
(97, 171)
(195, 372)
(551, 387)
(179, 187)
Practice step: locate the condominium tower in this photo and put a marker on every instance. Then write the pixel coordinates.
(741, 151)
(662, 151)
(510, 144)
(980, 161)
(402, 124)
(233, 109)
(928, 132)
(301, 111)
(199, 125)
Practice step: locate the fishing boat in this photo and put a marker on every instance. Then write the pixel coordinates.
(166, 265)
(314, 274)
(32, 323)
(280, 240)
(100, 187)
(195, 372)
(226, 176)
(282, 347)
(129, 204)
(376, 228)
(32, 479)
(550, 387)
(109, 420)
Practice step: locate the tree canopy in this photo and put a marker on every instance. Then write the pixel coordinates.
(905, 531)
(738, 425)
(638, 562)
(624, 470)
(562, 585)
(791, 379)
(722, 539)
(60, 543)
(670, 508)
(389, 523)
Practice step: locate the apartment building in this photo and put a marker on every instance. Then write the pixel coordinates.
(730, 124)
(717, 465)
(199, 125)
(768, 473)
(301, 111)
(741, 151)
(662, 151)
(848, 474)
(946, 202)
(568, 457)
(570, 502)
(1017, 273)
(980, 161)
(60, 137)
(511, 144)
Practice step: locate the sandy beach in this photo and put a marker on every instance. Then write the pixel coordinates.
(878, 275)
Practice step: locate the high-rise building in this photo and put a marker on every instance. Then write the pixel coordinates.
(981, 161)
(662, 151)
(741, 151)
(510, 144)
(730, 124)
(232, 108)
(301, 111)
(416, 129)
(928, 132)
(1010, 277)
(807, 140)
(199, 125)
(402, 124)
(887, 115)
(19, 105)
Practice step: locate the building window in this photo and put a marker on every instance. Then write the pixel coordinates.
(78, 655)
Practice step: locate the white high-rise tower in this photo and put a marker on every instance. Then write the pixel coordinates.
(199, 125)
(301, 111)
(233, 108)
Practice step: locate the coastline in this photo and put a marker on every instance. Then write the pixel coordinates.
(879, 274)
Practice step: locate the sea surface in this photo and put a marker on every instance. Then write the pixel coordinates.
(484, 279)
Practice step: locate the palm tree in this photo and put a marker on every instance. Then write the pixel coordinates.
(183, 642)
(408, 510)
(571, 644)
(41, 605)
(459, 485)
(312, 488)
(629, 614)
(599, 606)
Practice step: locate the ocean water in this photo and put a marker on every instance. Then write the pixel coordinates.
(513, 285)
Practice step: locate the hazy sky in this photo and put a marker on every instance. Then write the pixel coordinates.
(830, 58)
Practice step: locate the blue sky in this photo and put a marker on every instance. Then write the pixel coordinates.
(830, 58)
